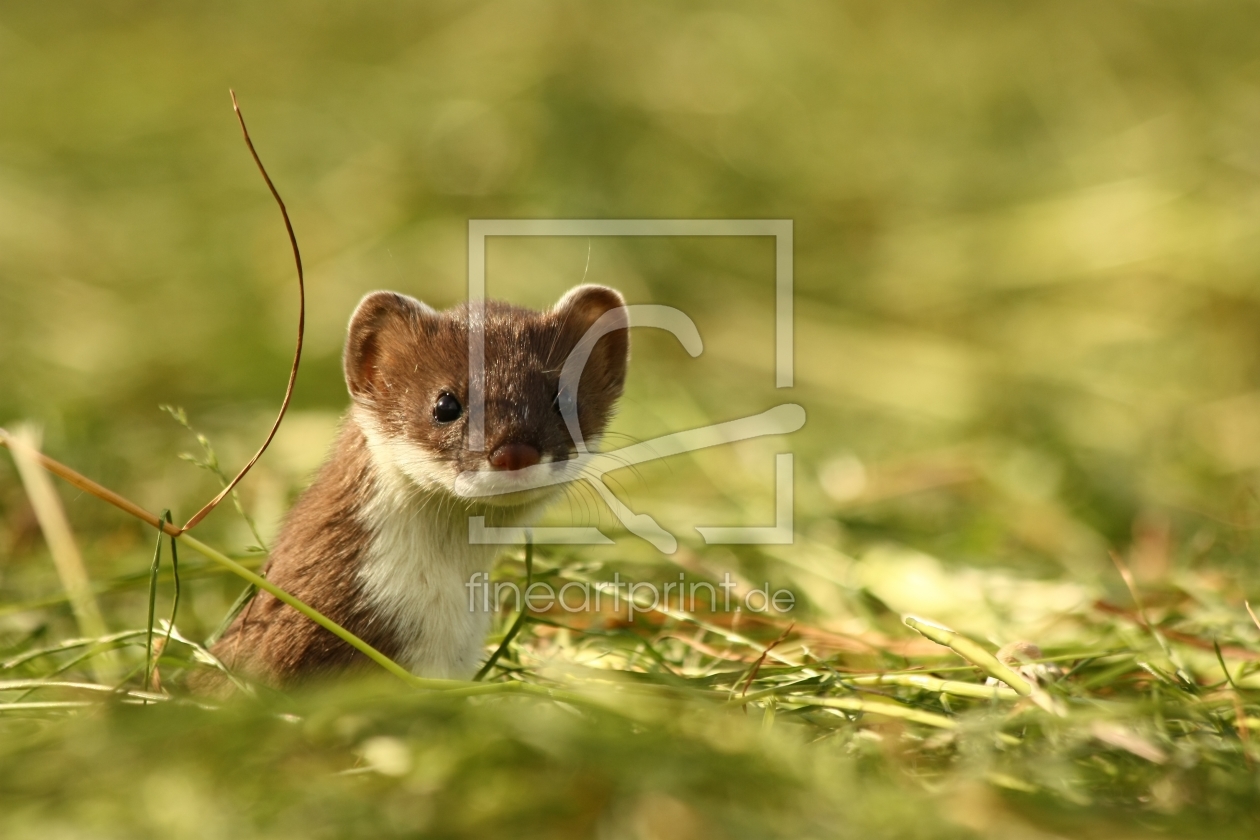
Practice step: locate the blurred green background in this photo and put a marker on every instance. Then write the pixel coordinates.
(1026, 250)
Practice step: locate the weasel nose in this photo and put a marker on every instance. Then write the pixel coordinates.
(514, 456)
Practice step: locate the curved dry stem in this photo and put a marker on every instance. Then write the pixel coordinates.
(126, 505)
(301, 331)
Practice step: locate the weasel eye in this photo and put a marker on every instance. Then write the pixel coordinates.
(447, 409)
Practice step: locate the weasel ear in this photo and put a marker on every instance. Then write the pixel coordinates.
(577, 313)
(382, 320)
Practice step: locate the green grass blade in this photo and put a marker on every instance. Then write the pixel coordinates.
(520, 619)
(970, 651)
(319, 618)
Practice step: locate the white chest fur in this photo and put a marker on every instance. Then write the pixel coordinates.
(416, 573)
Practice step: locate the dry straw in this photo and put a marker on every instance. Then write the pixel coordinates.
(24, 443)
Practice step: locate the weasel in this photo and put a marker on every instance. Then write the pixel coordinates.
(379, 541)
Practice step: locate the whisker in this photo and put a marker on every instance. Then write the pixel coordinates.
(618, 485)
(568, 498)
(579, 493)
(626, 464)
(573, 497)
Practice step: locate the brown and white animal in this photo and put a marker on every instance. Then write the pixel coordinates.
(379, 542)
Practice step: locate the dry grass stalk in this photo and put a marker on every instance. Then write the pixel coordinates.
(24, 443)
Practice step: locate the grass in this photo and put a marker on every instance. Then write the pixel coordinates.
(726, 723)
(1026, 309)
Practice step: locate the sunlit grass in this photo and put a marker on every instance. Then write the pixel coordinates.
(1026, 310)
(749, 724)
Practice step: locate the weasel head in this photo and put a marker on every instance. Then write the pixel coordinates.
(407, 369)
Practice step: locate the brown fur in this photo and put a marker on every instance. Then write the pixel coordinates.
(400, 356)
(315, 559)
